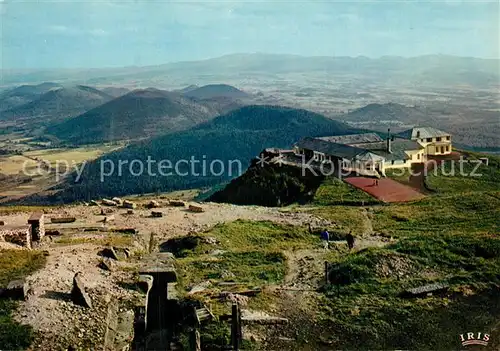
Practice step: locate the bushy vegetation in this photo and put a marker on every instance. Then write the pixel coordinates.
(272, 185)
(15, 264)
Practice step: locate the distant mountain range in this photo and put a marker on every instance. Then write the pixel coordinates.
(238, 135)
(57, 103)
(144, 113)
(430, 70)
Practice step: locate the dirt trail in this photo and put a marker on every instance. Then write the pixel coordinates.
(305, 269)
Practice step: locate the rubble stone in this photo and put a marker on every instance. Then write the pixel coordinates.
(78, 294)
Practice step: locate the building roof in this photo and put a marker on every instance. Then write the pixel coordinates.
(368, 156)
(398, 148)
(352, 138)
(425, 132)
(329, 148)
(373, 151)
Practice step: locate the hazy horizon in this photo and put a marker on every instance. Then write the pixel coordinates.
(90, 34)
(246, 54)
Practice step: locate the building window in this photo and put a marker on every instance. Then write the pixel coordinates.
(429, 140)
(418, 134)
(411, 157)
(442, 149)
(421, 140)
(392, 162)
(447, 148)
(448, 138)
(438, 139)
(418, 156)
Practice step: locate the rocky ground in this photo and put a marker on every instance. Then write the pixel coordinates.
(58, 322)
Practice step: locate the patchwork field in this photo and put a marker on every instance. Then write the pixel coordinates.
(32, 171)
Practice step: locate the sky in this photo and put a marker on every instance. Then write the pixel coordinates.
(83, 34)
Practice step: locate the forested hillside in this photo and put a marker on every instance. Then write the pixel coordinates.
(140, 113)
(228, 140)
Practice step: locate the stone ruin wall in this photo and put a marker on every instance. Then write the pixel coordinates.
(37, 226)
(16, 235)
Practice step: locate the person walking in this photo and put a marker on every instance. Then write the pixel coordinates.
(325, 236)
(350, 240)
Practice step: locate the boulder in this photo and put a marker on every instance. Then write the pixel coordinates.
(108, 202)
(107, 264)
(425, 290)
(78, 294)
(235, 298)
(130, 212)
(16, 289)
(200, 287)
(156, 214)
(116, 253)
(117, 200)
(195, 208)
(129, 204)
(2, 223)
(177, 203)
(153, 204)
(93, 203)
(109, 252)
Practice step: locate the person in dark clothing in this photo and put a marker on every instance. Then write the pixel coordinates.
(325, 236)
(350, 240)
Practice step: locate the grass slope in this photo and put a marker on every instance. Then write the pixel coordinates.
(15, 264)
(448, 237)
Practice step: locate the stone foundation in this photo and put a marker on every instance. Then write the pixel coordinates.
(19, 235)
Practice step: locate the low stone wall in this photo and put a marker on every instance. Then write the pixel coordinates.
(19, 235)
